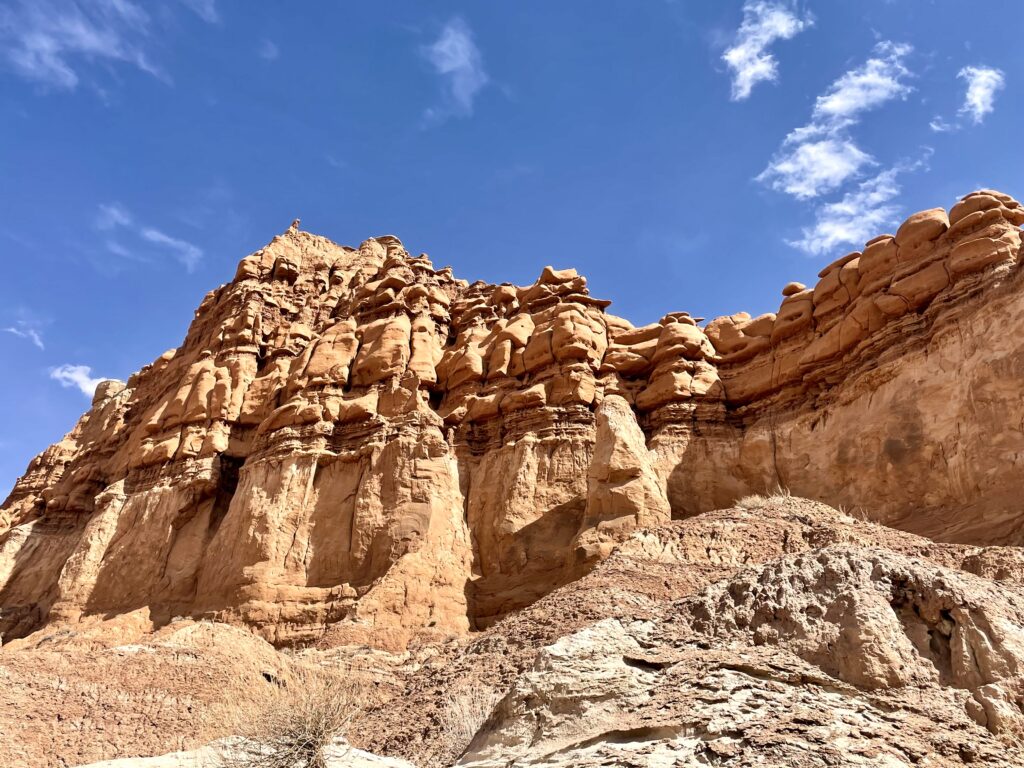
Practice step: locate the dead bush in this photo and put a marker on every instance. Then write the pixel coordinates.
(462, 715)
(756, 500)
(292, 722)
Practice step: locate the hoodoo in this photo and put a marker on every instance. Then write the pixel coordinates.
(351, 445)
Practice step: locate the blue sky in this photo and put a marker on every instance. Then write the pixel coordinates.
(683, 155)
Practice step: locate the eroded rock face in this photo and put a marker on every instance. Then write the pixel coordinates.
(779, 632)
(353, 446)
(882, 388)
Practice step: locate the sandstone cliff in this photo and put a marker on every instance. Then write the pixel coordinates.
(353, 446)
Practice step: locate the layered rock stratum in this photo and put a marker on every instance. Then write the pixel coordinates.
(353, 449)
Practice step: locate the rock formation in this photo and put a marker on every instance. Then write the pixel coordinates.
(353, 446)
(780, 632)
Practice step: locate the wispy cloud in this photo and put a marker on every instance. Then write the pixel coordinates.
(881, 79)
(27, 330)
(49, 41)
(983, 83)
(853, 219)
(114, 216)
(54, 42)
(111, 216)
(188, 254)
(118, 250)
(809, 169)
(269, 51)
(821, 156)
(859, 215)
(456, 58)
(748, 58)
(204, 9)
(79, 376)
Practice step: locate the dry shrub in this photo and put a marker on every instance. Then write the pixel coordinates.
(462, 715)
(762, 499)
(857, 513)
(291, 722)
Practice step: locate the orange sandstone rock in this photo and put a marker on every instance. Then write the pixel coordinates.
(351, 440)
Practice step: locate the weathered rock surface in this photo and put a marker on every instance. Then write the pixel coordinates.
(121, 690)
(112, 689)
(664, 652)
(353, 446)
(611, 695)
(781, 632)
(214, 756)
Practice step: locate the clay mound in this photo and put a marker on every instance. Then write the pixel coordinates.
(112, 690)
(835, 656)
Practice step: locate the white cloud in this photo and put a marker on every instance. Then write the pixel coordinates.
(47, 41)
(204, 9)
(879, 80)
(854, 219)
(187, 253)
(26, 330)
(112, 216)
(813, 168)
(982, 85)
(821, 156)
(458, 61)
(860, 214)
(764, 22)
(76, 376)
(269, 50)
